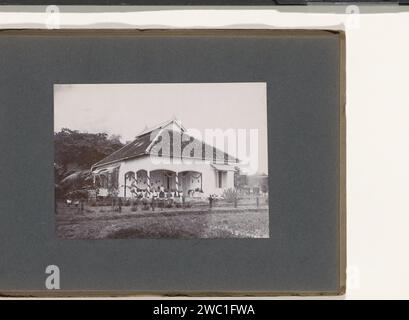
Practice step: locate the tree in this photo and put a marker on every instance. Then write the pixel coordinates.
(76, 152)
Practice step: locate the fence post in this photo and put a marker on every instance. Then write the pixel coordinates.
(235, 202)
(257, 199)
(210, 202)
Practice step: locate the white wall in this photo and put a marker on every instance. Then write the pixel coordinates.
(148, 163)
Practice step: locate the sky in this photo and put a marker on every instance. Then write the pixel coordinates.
(127, 109)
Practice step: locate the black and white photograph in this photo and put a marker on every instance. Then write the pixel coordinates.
(161, 160)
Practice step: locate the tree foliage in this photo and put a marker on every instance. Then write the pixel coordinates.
(76, 152)
(74, 148)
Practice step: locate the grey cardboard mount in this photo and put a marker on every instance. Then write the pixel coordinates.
(305, 75)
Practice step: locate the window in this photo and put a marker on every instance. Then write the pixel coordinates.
(168, 182)
(104, 181)
(220, 179)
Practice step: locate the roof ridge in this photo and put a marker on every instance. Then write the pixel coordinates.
(161, 125)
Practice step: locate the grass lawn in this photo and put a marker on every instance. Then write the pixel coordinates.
(103, 223)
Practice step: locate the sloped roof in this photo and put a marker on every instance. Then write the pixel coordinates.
(198, 149)
(136, 148)
(143, 145)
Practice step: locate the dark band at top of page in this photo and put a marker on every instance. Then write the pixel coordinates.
(197, 2)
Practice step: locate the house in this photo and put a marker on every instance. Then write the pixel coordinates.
(165, 157)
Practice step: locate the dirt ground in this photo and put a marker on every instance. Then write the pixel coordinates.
(104, 223)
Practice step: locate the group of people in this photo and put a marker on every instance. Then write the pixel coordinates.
(156, 193)
(158, 197)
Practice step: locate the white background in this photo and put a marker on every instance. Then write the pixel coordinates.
(377, 116)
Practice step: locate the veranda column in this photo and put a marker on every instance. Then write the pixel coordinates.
(135, 181)
(177, 181)
(148, 178)
(125, 185)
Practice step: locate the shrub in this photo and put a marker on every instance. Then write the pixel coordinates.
(230, 195)
(77, 195)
